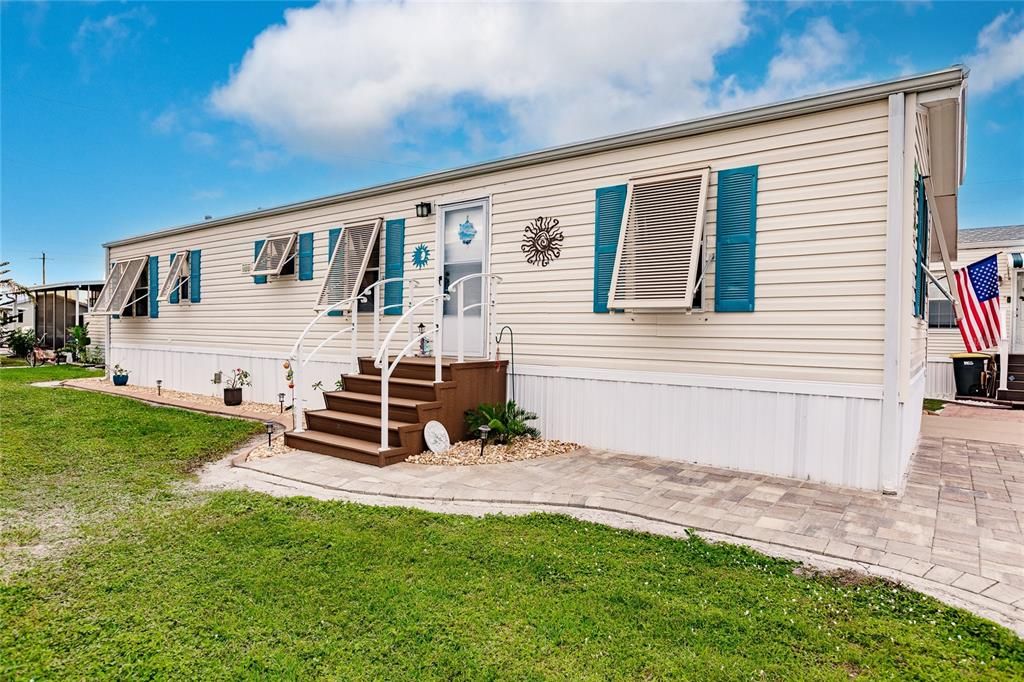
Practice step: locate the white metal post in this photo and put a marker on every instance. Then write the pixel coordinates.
(296, 366)
(460, 331)
(376, 320)
(385, 374)
(353, 364)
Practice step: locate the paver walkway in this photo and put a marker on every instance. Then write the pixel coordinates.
(955, 532)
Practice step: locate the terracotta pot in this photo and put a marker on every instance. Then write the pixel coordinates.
(232, 396)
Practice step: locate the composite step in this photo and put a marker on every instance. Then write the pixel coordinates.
(361, 426)
(355, 449)
(398, 387)
(402, 409)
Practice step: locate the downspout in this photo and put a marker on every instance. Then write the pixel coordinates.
(889, 446)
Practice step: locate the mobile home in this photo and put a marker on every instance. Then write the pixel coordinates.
(741, 290)
(1006, 243)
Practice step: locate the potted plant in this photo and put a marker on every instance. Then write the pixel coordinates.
(120, 376)
(233, 390)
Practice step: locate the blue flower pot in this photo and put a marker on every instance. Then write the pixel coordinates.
(120, 379)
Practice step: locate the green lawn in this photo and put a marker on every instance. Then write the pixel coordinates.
(8, 361)
(178, 585)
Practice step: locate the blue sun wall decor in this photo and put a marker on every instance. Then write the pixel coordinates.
(421, 256)
(467, 232)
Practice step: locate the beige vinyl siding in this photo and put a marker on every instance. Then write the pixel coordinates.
(819, 280)
(942, 342)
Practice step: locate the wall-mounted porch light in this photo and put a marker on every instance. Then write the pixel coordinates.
(424, 209)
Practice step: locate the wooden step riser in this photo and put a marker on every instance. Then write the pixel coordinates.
(396, 412)
(406, 370)
(1011, 395)
(295, 440)
(372, 387)
(361, 431)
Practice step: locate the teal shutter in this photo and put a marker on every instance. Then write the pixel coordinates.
(306, 255)
(920, 285)
(736, 240)
(193, 276)
(173, 297)
(332, 239)
(154, 286)
(394, 264)
(609, 205)
(261, 279)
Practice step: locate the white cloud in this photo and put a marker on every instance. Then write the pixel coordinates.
(999, 57)
(207, 194)
(200, 139)
(816, 60)
(112, 31)
(166, 122)
(338, 78)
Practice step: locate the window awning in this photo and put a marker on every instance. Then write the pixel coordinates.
(659, 244)
(120, 283)
(275, 253)
(348, 263)
(1016, 259)
(178, 271)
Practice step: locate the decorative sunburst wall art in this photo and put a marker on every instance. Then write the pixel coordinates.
(421, 256)
(542, 241)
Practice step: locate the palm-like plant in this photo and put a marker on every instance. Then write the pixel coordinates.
(507, 422)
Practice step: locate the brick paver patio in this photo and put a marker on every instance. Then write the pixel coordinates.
(955, 531)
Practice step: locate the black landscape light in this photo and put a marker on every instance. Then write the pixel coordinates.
(280, 399)
(158, 383)
(484, 430)
(270, 431)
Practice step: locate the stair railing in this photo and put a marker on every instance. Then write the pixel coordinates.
(489, 283)
(297, 362)
(408, 298)
(383, 362)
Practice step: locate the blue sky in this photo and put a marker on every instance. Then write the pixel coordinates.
(120, 118)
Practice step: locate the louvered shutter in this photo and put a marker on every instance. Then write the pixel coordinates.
(735, 240)
(195, 269)
(118, 288)
(257, 247)
(610, 203)
(348, 263)
(394, 265)
(174, 295)
(154, 286)
(306, 256)
(332, 241)
(921, 260)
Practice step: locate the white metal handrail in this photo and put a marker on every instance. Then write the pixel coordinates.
(382, 360)
(408, 295)
(297, 362)
(487, 294)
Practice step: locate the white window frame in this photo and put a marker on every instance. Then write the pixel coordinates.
(175, 279)
(289, 255)
(113, 282)
(322, 302)
(698, 250)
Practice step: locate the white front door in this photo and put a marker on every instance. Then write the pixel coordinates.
(465, 236)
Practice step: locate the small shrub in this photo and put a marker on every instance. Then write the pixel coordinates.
(120, 371)
(21, 341)
(508, 421)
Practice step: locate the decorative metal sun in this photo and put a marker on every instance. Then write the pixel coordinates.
(542, 241)
(421, 256)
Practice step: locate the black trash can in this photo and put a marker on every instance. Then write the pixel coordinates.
(967, 371)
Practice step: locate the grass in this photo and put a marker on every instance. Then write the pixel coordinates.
(242, 585)
(8, 361)
(934, 404)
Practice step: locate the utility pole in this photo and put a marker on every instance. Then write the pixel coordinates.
(44, 265)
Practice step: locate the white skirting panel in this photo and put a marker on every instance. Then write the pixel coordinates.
(910, 421)
(191, 370)
(939, 383)
(820, 437)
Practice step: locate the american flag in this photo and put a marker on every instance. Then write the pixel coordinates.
(978, 286)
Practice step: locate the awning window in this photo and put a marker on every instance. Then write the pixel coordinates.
(275, 253)
(177, 275)
(657, 259)
(121, 282)
(348, 263)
